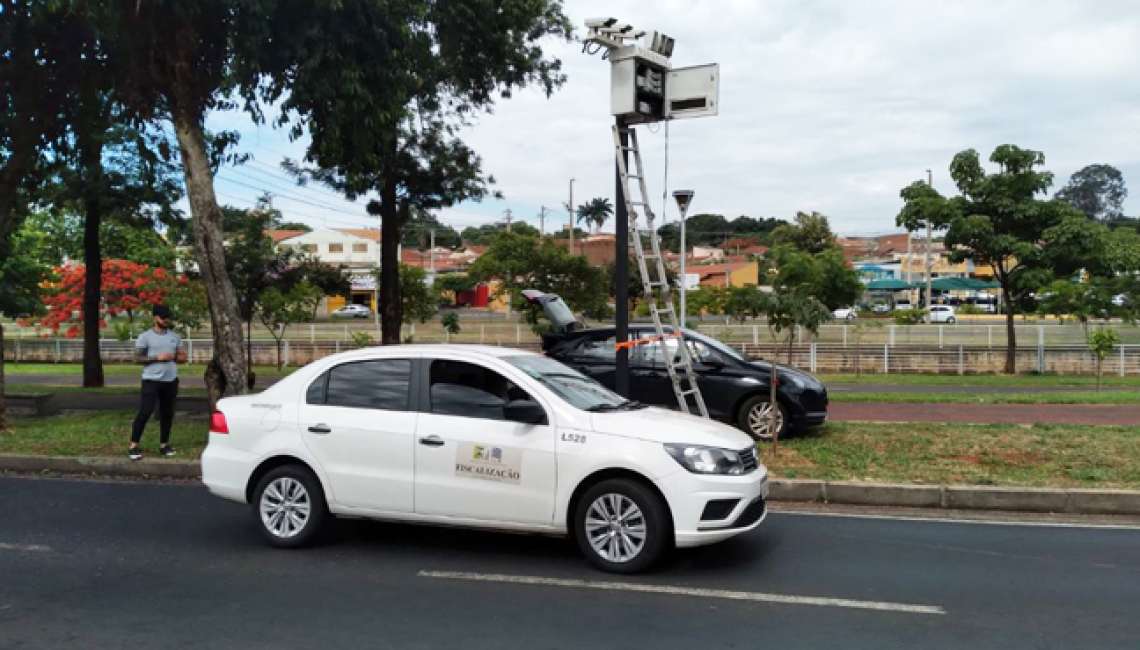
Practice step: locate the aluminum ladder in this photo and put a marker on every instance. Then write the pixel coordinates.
(651, 265)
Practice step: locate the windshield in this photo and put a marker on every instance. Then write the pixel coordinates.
(572, 386)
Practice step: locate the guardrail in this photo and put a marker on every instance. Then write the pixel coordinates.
(814, 356)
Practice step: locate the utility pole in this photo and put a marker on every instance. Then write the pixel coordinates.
(929, 248)
(684, 199)
(570, 209)
(433, 254)
(621, 264)
(507, 212)
(542, 222)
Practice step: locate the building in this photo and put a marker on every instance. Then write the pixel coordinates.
(354, 250)
(725, 275)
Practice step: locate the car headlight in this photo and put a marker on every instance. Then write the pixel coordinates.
(707, 460)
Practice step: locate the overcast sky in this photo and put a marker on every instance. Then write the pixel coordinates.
(831, 106)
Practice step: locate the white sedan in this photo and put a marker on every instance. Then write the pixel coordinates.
(354, 311)
(482, 437)
(844, 313)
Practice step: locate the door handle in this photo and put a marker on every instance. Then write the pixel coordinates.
(320, 428)
(432, 441)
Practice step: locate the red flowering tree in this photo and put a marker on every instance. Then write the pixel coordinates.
(127, 288)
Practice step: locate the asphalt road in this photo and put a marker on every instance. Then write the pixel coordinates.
(148, 565)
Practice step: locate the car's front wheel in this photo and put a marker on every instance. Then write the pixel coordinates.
(289, 507)
(622, 526)
(755, 418)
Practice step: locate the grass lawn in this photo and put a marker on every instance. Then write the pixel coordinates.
(995, 454)
(106, 433)
(121, 370)
(1057, 397)
(39, 389)
(979, 380)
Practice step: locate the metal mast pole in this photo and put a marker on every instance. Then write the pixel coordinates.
(621, 266)
(929, 246)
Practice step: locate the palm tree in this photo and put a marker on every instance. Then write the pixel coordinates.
(595, 212)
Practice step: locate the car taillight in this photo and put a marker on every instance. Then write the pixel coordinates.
(218, 423)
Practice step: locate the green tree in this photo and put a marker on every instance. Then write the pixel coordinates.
(450, 322)
(635, 287)
(595, 212)
(293, 225)
(1096, 190)
(421, 300)
(483, 235)
(454, 282)
(997, 221)
(253, 265)
(1101, 344)
(404, 77)
(418, 232)
(744, 302)
(520, 262)
(21, 274)
(811, 233)
(278, 308)
(824, 275)
(787, 309)
(1079, 301)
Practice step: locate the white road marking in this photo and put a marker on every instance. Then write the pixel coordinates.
(751, 596)
(776, 510)
(24, 547)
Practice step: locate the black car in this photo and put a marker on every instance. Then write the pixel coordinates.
(735, 387)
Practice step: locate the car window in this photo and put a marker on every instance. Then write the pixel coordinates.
(317, 390)
(596, 350)
(698, 351)
(472, 391)
(382, 384)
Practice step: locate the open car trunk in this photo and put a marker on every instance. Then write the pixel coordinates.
(560, 316)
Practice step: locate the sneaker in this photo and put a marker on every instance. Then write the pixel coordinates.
(167, 450)
(134, 453)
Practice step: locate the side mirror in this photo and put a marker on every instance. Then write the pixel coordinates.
(524, 411)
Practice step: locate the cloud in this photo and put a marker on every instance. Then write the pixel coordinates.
(828, 106)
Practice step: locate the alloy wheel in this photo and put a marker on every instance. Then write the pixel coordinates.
(616, 528)
(285, 507)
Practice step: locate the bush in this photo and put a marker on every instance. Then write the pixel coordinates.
(122, 331)
(361, 339)
(970, 310)
(910, 317)
(450, 322)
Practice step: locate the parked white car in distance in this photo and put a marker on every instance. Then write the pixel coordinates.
(483, 437)
(355, 311)
(943, 314)
(844, 313)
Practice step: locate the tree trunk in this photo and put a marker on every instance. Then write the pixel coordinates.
(1011, 337)
(1099, 368)
(279, 351)
(3, 418)
(93, 277)
(229, 371)
(391, 312)
(251, 376)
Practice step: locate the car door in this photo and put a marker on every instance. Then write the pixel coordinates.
(597, 358)
(471, 463)
(718, 386)
(358, 422)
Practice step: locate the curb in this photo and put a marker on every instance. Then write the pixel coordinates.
(182, 469)
(959, 497)
(956, 497)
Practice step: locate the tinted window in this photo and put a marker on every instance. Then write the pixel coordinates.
(597, 350)
(371, 384)
(472, 391)
(316, 392)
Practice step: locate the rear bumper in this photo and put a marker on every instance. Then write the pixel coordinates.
(226, 471)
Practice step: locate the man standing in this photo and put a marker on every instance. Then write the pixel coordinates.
(158, 350)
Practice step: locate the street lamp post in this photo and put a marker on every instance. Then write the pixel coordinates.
(929, 245)
(684, 199)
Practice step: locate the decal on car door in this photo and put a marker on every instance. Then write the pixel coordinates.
(488, 462)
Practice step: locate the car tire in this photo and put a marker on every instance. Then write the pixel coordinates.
(608, 518)
(753, 418)
(289, 507)
(951, 320)
(851, 316)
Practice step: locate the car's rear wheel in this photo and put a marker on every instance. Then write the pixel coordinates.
(289, 507)
(622, 526)
(951, 320)
(755, 418)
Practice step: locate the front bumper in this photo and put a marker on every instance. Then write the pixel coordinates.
(689, 494)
